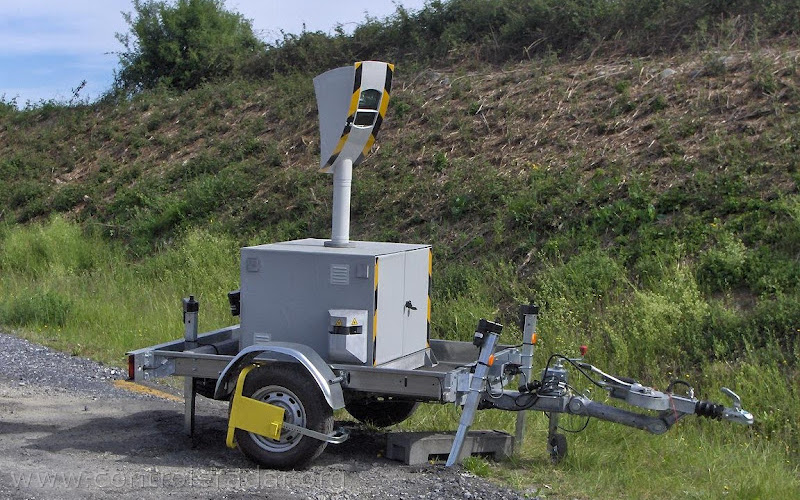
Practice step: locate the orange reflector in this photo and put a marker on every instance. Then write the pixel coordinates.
(534, 338)
(491, 360)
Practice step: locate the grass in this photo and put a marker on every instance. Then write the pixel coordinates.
(80, 293)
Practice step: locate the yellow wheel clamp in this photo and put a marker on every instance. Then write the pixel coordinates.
(265, 419)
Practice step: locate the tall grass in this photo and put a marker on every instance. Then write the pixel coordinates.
(83, 294)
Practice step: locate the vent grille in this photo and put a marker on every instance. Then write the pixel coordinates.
(340, 274)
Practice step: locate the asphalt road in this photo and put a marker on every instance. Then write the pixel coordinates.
(67, 430)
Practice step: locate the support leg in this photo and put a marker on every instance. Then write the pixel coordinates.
(529, 314)
(486, 336)
(188, 410)
(556, 443)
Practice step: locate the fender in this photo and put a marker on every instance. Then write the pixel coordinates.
(322, 374)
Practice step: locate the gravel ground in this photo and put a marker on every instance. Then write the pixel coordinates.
(67, 432)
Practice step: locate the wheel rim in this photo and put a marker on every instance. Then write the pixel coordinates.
(294, 413)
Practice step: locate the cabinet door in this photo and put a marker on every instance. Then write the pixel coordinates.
(415, 318)
(388, 334)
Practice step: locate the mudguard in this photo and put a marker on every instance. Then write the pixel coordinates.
(284, 351)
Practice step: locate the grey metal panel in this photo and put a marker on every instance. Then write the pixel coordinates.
(409, 383)
(213, 337)
(201, 367)
(408, 362)
(364, 248)
(288, 298)
(415, 321)
(391, 307)
(454, 351)
(333, 89)
(159, 360)
(287, 289)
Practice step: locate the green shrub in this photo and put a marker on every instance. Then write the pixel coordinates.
(182, 45)
(503, 30)
(67, 196)
(666, 323)
(723, 265)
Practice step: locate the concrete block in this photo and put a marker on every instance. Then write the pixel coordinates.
(414, 448)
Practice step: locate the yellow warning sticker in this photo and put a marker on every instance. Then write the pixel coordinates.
(338, 322)
(354, 323)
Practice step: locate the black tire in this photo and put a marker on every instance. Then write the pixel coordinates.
(557, 447)
(205, 387)
(291, 387)
(381, 412)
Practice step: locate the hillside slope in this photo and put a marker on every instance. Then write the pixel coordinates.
(650, 204)
(692, 156)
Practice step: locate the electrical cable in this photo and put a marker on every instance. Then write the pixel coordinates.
(532, 395)
(582, 372)
(216, 350)
(551, 389)
(489, 390)
(533, 398)
(575, 431)
(585, 423)
(678, 381)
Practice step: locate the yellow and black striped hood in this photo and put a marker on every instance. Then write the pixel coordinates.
(352, 104)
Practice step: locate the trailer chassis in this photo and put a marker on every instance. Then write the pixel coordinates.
(211, 363)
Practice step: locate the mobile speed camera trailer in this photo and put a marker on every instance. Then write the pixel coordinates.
(326, 325)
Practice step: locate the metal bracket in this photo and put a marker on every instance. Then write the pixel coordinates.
(153, 366)
(338, 436)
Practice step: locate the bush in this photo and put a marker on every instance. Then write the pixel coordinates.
(502, 30)
(182, 46)
(722, 266)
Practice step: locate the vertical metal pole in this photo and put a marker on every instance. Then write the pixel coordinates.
(476, 387)
(340, 223)
(190, 310)
(188, 401)
(530, 317)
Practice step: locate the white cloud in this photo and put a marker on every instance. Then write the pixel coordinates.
(78, 26)
(82, 32)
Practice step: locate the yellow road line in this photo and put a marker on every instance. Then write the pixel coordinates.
(143, 389)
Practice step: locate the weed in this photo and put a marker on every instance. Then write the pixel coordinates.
(477, 465)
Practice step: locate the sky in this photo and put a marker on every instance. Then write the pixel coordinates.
(48, 47)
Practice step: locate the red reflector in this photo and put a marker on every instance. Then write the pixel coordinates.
(131, 367)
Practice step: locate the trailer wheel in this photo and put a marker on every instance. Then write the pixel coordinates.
(381, 412)
(289, 386)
